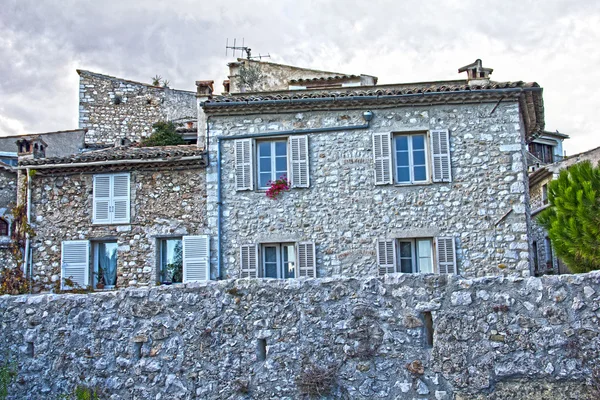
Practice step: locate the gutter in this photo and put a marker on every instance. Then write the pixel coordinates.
(367, 115)
(28, 265)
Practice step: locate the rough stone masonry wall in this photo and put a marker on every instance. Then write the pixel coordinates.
(140, 106)
(344, 212)
(493, 338)
(163, 203)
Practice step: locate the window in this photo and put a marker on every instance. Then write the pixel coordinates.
(536, 263)
(278, 260)
(545, 194)
(170, 260)
(105, 265)
(544, 152)
(418, 255)
(3, 227)
(412, 158)
(261, 161)
(272, 162)
(111, 199)
(548, 253)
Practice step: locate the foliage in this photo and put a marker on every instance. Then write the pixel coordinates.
(250, 77)
(278, 186)
(315, 380)
(8, 373)
(13, 281)
(164, 134)
(83, 392)
(573, 218)
(158, 80)
(73, 286)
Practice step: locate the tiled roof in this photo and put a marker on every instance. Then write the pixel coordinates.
(123, 153)
(381, 91)
(324, 78)
(7, 167)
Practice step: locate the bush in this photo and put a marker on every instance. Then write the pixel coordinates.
(164, 134)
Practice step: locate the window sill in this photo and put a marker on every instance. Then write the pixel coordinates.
(115, 224)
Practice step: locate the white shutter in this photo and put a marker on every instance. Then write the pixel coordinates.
(446, 255)
(307, 262)
(120, 198)
(102, 199)
(196, 258)
(243, 164)
(299, 161)
(440, 154)
(249, 261)
(75, 256)
(386, 256)
(382, 155)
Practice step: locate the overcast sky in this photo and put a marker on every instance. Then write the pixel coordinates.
(555, 43)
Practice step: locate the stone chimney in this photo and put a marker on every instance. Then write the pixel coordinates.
(31, 147)
(205, 88)
(476, 74)
(204, 92)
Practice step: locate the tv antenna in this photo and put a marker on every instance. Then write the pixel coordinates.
(243, 49)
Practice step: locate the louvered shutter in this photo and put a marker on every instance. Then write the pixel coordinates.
(196, 258)
(386, 256)
(307, 262)
(446, 255)
(243, 164)
(299, 161)
(120, 198)
(440, 155)
(75, 256)
(102, 199)
(249, 261)
(382, 155)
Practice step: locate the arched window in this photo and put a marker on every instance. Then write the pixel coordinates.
(3, 227)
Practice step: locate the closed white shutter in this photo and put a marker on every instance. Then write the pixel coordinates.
(386, 256)
(307, 262)
(446, 255)
(299, 161)
(120, 198)
(249, 261)
(440, 154)
(196, 258)
(382, 155)
(243, 164)
(74, 265)
(102, 199)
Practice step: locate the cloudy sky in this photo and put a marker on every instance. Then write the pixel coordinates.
(552, 42)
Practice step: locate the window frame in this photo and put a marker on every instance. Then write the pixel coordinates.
(411, 165)
(280, 265)
(96, 261)
(256, 154)
(415, 257)
(161, 274)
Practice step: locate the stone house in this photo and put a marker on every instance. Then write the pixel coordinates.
(424, 177)
(545, 260)
(8, 197)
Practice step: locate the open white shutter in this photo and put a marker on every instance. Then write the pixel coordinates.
(249, 261)
(102, 199)
(386, 256)
(243, 164)
(299, 161)
(307, 262)
(440, 154)
(196, 258)
(120, 197)
(75, 257)
(446, 255)
(382, 155)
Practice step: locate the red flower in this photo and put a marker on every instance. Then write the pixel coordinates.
(277, 186)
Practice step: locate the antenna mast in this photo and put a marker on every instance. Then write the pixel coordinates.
(243, 49)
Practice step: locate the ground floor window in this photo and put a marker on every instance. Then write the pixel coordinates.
(171, 260)
(279, 260)
(416, 255)
(105, 265)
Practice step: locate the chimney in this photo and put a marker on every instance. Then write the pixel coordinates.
(226, 85)
(204, 92)
(476, 74)
(31, 147)
(204, 88)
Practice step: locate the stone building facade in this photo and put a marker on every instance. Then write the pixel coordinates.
(8, 198)
(114, 109)
(165, 201)
(341, 220)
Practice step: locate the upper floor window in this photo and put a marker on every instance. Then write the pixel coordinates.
(111, 199)
(278, 260)
(412, 158)
(259, 162)
(3, 227)
(418, 255)
(544, 152)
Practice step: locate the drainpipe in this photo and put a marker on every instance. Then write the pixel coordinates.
(367, 116)
(26, 259)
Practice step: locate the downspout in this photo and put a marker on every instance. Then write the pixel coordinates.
(26, 259)
(367, 115)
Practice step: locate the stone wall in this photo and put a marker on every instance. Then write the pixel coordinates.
(488, 338)
(112, 108)
(344, 212)
(164, 203)
(8, 189)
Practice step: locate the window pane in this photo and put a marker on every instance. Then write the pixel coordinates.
(264, 164)
(264, 149)
(280, 148)
(406, 265)
(270, 254)
(281, 166)
(171, 260)
(424, 261)
(405, 249)
(402, 158)
(289, 261)
(263, 179)
(418, 142)
(270, 261)
(106, 269)
(419, 157)
(420, 174)
(401, 143)
(403, 174)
